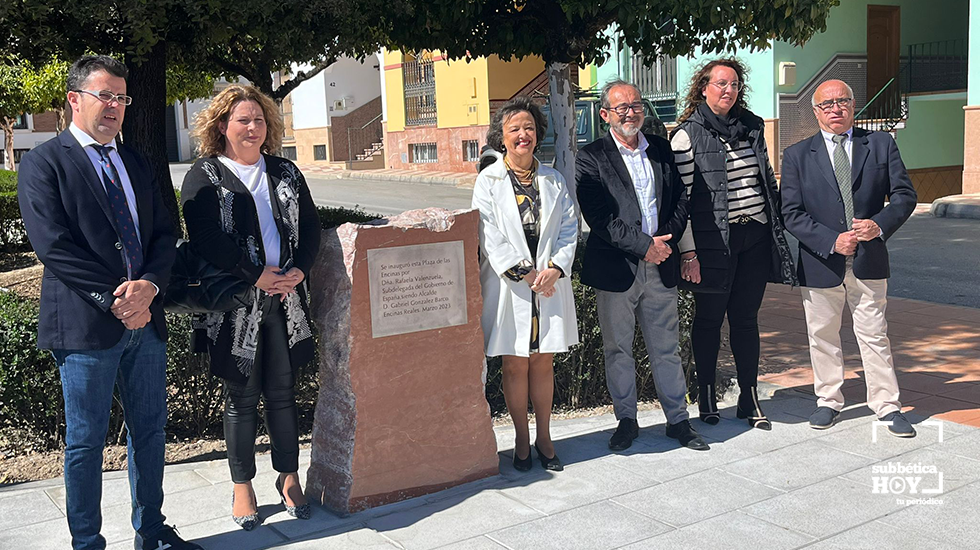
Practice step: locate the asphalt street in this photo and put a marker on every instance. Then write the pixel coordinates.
(932, 259)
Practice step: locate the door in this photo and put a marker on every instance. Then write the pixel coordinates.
(883, 47)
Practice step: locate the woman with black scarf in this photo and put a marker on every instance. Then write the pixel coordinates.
(735, 243)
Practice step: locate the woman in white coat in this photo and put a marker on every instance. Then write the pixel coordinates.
(528, 233)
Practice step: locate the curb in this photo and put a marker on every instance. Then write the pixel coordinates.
(957, 206)
(464, 181)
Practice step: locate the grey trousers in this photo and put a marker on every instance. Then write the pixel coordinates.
(656, 307)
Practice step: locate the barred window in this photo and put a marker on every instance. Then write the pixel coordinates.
(471, 150)
(289, 153)
(319, 152)
(423, 153)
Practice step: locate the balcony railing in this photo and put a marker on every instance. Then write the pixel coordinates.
(655, 81)
(420, 92)
(936, 66)
(888, 108)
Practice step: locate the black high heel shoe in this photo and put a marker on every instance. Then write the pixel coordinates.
(299, 512)
(522, 464)
(748, 408)
(707, 406)
(246, 522)
(553, 463)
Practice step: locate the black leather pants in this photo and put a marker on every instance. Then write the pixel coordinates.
(274, 380)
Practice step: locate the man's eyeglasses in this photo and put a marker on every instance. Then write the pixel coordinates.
(842, 102)
(106, 96)
(723, 84)
(624, 109)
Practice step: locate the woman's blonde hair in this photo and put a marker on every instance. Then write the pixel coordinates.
(211, 141)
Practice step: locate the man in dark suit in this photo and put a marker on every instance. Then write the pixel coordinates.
(631, 195)
(96, 219)
(834, 187)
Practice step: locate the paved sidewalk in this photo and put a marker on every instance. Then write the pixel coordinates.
(792, 487)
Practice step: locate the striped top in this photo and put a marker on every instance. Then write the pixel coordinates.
(744, 184)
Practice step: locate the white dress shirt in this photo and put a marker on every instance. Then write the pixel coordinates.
(88, 144)
(641, 172)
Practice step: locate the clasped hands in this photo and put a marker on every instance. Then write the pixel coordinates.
(276, 283)
(543, 282)
(132, 303)
(861, 231)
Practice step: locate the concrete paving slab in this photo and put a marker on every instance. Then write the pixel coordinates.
(224, 534)
(452, 520)
(697, 497)
(876, 535)
(675, 461)
(578, 485)
(44, 535)
(842, 504)
(953, 522)
(798, 465)
(358, 538)
(859, 440)
(599, 526)
(26, 509)
(731, 530)
(956, 471)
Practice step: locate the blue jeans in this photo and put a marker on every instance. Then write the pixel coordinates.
(137, 366)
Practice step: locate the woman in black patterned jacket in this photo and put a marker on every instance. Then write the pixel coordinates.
(251, 213)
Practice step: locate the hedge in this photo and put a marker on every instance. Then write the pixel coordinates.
(31, 404)
(12, 233)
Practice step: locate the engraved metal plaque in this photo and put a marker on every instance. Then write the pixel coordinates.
(416, 287)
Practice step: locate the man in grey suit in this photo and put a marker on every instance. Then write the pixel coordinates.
(631, 195)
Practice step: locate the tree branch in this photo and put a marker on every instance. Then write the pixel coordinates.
(288, 86)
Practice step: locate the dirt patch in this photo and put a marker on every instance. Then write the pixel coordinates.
(21, 272)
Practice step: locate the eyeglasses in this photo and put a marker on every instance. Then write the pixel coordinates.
(723, 84)
(106, 96)
(623, 109)
(842, 102)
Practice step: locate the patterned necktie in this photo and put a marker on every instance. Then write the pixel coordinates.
(842, 170)
(120, 211)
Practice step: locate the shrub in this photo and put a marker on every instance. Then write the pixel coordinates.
(580, 375)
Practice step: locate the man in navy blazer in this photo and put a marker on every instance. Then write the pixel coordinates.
(631, 195)
(96, 220)
(834, 186)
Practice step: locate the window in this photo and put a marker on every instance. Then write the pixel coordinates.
(21, 123)
(289, 153)
(471, 150)
(319, 152)
(18, 154)
(420, 90)
(423, 153)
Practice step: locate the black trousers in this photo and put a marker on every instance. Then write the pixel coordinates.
(750, 247)
(273, 379)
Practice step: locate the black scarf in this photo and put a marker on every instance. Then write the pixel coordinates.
(729, 127)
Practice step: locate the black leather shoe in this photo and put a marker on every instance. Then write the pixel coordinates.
(901, 427)
(823, 418)
(707, 404)
(552, 463)
(627, 431)
(684, 433)
(748, 407)
(166, 537)
(523, 464)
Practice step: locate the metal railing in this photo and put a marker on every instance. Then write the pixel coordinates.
(936, 66)
(657, 81)
(420, 92)
(365, 139)
(888, 107)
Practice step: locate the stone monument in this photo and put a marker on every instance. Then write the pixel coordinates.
(401, 410)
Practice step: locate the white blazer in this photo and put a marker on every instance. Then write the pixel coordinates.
(506, 303)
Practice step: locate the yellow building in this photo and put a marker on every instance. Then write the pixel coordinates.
(438, 111)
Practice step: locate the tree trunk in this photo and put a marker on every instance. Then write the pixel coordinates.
(562, 103)
(145, 122)
(8, 141)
